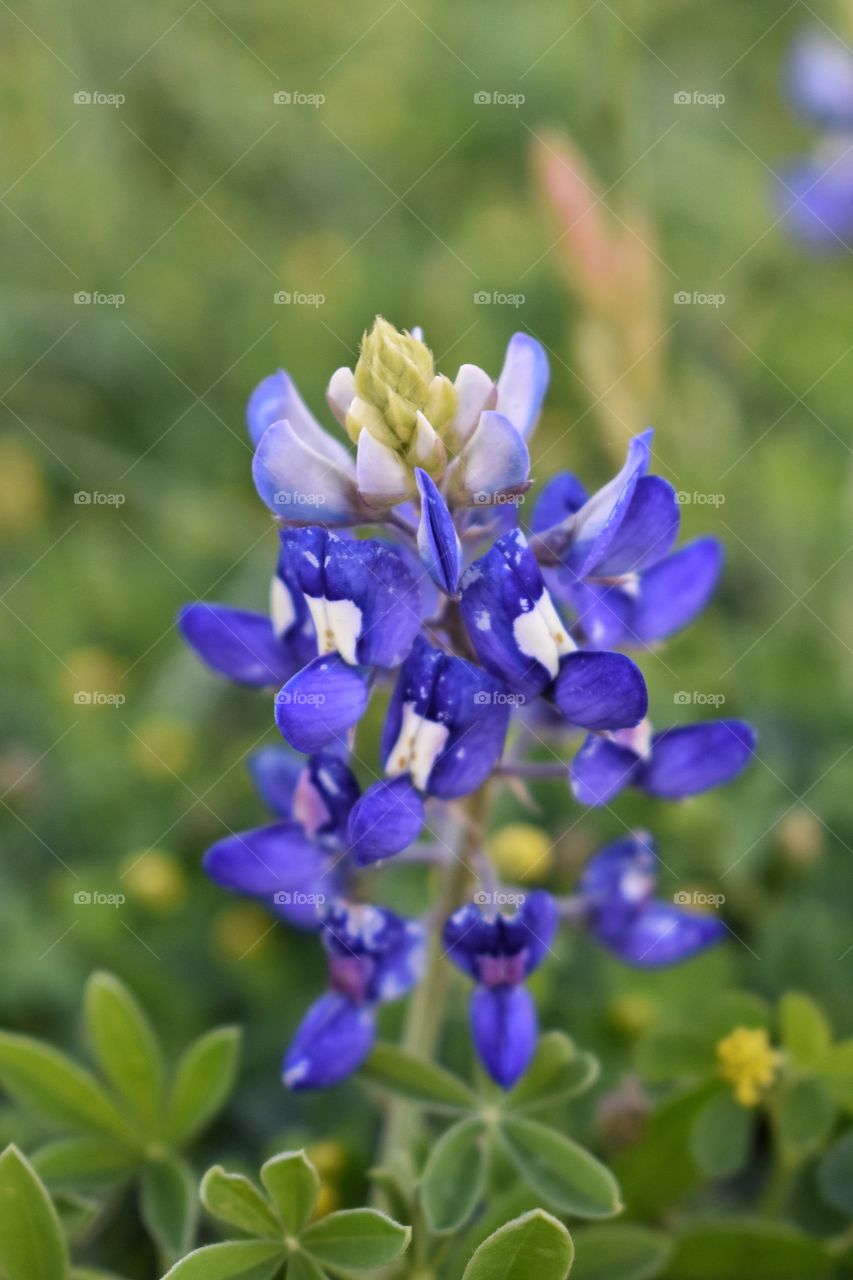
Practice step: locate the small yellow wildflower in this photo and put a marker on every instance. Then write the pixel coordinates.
(748, 1062)
(519, 850)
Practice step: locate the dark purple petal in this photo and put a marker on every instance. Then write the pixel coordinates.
(539, 917)
(325, 794)
(438, 542)
(646, 532)
(592, 529)
(266, 861)
(275, 772)
(690, 758)
(674, 591)
(401, 965)
(603, 612)
(600, 770)
(601, 691)
(467, 935)
(236, 643)
(387, 819)
(560, 498)
(617, 881)
(332, 1042)
(321, 703)
(504, 1027)
(661, 933)
(523, 382)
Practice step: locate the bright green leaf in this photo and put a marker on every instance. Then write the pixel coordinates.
(301, 1267)
(563, 1173)
(31, 1242)
(125, 1046)
(746, 1249)
(204, 1079)
(620, 1252)
(41, 1077)
(401, 1073)
(237, 1258)
(356, 1239)
(535, 1245)
(454, 1175)
(558, 1071)
(720, 1137)
(835, 1175)
(83, 1162)
(805, 1115)
(804, 1030)
(233, 1199)
(168, 1203)
(292, 1183)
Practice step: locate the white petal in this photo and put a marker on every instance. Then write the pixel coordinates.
(340, 393)
(475, 392)
(418, 746)
(338, 626)
(282, 608)
(540, 634)
(381, 477)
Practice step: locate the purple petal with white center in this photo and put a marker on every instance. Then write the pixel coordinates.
(600, 770)
(386, 820)
(674, 591)
(438, 542)
(275, 399)
(691, 758)
(585, 537)
(301, 485)
(601, 690)
(820, 77)
(237, 643)
(523, 382)
(332, 1041)
(321, 703)
(511, 620)
(646, 532)
(662, 933)
(275, 772)
(504, 1027)
(382, 478)
(494, 461)
(559, 499)
(266, 861)
(446, 723)
(363, 600)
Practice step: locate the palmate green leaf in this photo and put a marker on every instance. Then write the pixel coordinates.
(84, 1163)
(301, 1267)
(804, 1030)
(533, 1247)
(41, 1077)
(235, 1200)
(562, 1172)
(620, 1252)
(77, 1214)
(805, 1116)
(204, 1079)
(292, 1183)
(125, 1047)
(168, 1205)
(31, 1242)
(454, 1175)
(743, 1248)
(356, 1239)
(835, 1175)
(720, 1137)
(558, 1071)
(233, 1260)
(407, 1076)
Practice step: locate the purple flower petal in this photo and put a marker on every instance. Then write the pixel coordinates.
(275, 772)
(386, 820)
(662, 934)
(302, 485)
(266, 861)
(333, 1040)
(321, 703)
(324, 795)
(816, 198)
(237, 643)
(600, 770)
(687, 759)
(494, 461)
(820, 77)
(560, 498)
(601, 691)
(674, 591)
(646, 532)
(523, 382)
(275, 399)
(504, 1027)
(438, 542)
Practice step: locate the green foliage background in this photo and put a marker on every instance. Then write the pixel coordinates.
(198, 198)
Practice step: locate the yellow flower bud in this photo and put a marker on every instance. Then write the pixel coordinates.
(520, 850)
(747, 1061)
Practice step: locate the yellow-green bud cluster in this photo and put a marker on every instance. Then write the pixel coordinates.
(400, 399)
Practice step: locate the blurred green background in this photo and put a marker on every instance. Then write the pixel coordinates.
(197, 199)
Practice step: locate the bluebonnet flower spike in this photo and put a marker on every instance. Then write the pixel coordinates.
(374, 956)
(617, 891)
(499, 952)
